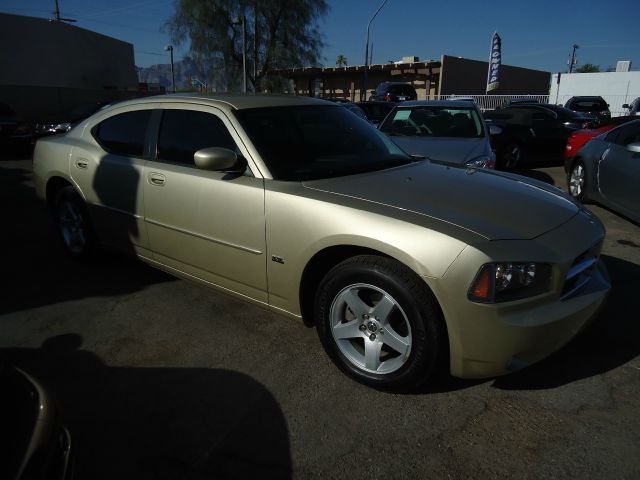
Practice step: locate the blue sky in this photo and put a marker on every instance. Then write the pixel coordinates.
(535, 34)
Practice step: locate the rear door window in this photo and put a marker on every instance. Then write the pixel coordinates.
(123, 134)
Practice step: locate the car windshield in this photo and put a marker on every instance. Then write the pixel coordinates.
(311, 142)
(434, 121)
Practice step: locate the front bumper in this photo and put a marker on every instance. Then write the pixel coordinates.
(486, 340)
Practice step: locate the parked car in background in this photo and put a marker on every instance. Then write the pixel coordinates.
(355, 109)
(64, 122)
(349, 105)
(578, 138)
(294, 204)
(15, 133)
(590, 105)
(633, 108)
(394, 92)
(533, 131)
(376, 111)
(521, 101)
(447, 131)
(607, 170)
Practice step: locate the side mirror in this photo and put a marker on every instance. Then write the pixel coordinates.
(372, 92)
(634, 147)
(626, 105)
(494, 130)
(217, 159)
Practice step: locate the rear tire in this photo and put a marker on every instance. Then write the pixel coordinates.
(379, 323)
(73, 224)
(511, 155)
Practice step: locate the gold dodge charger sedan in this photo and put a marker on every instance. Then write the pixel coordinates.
(299, 206)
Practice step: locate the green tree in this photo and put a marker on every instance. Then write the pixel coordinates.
(278, 34)
(588, 68)
(341, 61)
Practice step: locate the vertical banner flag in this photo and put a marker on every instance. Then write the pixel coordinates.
(493, 79)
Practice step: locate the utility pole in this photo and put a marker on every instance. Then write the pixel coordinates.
(572, 62)
(363, 92)
(241, 21)
(255, 47)
(169, 48)
(58, 18)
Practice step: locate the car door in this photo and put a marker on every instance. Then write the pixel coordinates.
(108, 169)
(619, 170)
(549, 134)
(207, 224)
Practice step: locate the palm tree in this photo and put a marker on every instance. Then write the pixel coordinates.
(341, 61)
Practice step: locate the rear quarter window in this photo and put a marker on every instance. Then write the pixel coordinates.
(123, 134)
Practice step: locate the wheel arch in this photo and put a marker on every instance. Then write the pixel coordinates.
(327, 258)
(54, 185)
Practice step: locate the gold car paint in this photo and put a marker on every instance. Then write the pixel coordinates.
(302, 222)
(485, 338)
(210, 225)
(118, 214)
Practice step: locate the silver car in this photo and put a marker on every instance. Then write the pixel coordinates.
(449, 131)
(298, 206)
(607, 170)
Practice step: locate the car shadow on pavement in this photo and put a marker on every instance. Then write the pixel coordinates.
(36, 270)
(164, 423)
(610, 342)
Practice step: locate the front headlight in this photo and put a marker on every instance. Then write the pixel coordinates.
(503, 282)
(482, 161)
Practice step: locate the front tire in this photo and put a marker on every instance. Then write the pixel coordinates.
(577, 181)
(73, 224)
(379, 323)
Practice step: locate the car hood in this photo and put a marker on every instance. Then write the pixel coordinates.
(494, 205)
(450, 149)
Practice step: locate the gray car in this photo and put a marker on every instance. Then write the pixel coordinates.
(446, 131)
(607, 170)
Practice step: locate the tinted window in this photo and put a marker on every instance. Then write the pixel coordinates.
(628, 134)
(123, 134)
(402, 90)
(184, 132)
(591, 105)
(308, 142)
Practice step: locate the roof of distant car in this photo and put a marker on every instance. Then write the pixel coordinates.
(435, 103)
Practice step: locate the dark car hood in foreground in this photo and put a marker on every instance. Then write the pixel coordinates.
(450, 149)
(492, 204)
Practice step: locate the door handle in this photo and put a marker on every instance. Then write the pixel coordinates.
(156, 179)
(82, 163)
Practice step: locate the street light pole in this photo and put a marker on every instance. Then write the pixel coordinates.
(363, 92)
(169, 48)
(573, 57)
(237, 21)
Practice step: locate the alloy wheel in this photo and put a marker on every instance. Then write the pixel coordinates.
(370, 328)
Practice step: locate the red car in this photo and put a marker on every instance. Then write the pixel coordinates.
(578, 138)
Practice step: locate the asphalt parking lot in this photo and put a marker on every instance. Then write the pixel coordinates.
(160, 378)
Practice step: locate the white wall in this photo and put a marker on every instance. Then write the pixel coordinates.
(616, 88)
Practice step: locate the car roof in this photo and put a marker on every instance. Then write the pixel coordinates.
(436, 103)
(230, 101)
(586, 97)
